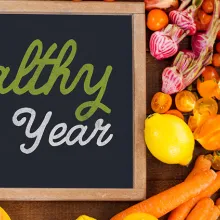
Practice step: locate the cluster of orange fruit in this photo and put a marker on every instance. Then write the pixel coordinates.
(204, 120)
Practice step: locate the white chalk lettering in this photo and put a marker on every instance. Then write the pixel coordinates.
(79, 136)
(59, 135)
(59, 131)
(104, 130)
(37, 134)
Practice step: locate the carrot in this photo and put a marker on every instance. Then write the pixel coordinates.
(202, 210)
(216, 210)
(202, 164)
(214, 213)
(181, 212)
(168, 200)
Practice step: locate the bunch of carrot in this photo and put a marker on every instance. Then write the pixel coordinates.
(188, 200)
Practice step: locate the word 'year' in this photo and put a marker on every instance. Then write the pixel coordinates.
(54, 134)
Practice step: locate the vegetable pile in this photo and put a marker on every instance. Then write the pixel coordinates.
(188, 200)
(191, 84)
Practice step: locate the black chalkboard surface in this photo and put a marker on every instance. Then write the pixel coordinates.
(107, 43)
(66, 93)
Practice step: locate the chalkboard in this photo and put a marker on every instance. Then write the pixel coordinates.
(67, 92)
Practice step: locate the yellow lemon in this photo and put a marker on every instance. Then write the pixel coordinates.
(140, 216)
(169, 139)
(3, 215)
(85, 217)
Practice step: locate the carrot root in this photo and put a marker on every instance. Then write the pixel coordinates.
(215, 213)
(202, 210)
(202, 164)
(181, 212)
(168, 200)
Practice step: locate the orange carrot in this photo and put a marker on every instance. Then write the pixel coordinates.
(202, 210)
(181, 212)
(168, 200)
(214, 213)
(202, 164)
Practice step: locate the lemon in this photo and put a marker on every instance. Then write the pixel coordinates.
(3, 215)
(140, 216)
(169, 139)
(85, 217)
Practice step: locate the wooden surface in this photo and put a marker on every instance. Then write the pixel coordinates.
(139, 106)
(136, 9)
(159, 175)
(58, 7)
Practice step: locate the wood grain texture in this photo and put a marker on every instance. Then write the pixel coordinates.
(71, 210)
(67, 7)
(139, 103)
(60, 194)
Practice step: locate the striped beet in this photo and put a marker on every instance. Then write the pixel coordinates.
(184, 19)
(165, 43)
(201, 41)
(184, 70)
(172, 80)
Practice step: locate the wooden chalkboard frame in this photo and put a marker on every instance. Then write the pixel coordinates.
(137, 11)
